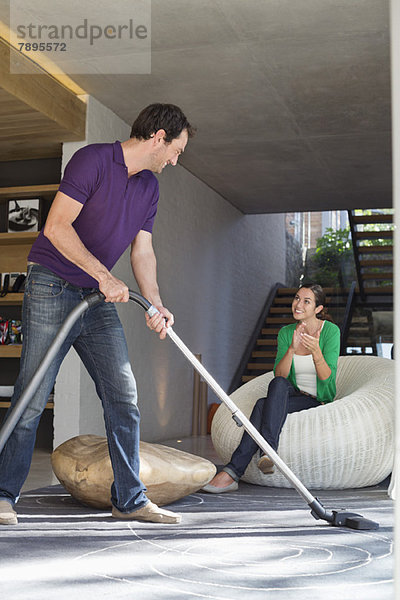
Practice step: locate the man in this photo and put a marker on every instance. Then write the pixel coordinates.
(107, 200)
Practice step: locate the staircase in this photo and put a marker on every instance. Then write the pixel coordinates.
(361, 336)
(372, 237)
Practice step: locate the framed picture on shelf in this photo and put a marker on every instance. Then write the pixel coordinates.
(23, 215)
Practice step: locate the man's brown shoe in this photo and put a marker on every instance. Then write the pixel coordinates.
(8, 516)
(266, 465)
(151, 512)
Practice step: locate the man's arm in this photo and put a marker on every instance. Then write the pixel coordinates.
(59, 230)
(144, 267)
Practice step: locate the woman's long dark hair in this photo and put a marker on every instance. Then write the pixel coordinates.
(320, 298)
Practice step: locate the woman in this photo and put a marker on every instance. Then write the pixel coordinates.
(305, 377)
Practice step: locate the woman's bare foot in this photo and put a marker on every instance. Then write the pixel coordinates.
(221, 480)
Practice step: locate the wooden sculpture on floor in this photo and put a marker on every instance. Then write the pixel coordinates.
(82, 465)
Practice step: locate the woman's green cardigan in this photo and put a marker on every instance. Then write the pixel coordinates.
(329, 342)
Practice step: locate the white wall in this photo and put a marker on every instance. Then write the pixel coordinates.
(216, 267)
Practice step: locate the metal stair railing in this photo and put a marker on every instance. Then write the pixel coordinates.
(237, 378)
(348, 315)
(356, 254)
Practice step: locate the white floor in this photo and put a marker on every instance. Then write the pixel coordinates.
(41, 473)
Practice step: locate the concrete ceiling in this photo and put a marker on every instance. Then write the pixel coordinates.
(291, 98)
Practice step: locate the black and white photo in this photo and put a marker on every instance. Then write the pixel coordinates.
(23, 215)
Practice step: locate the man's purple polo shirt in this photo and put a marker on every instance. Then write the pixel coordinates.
(115, 208)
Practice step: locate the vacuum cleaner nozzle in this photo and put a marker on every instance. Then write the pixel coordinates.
(341, 518)
(353, 521)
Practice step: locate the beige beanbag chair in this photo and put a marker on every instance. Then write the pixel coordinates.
(82, 465)
(346, 444)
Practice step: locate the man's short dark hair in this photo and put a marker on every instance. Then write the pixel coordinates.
(161, 116)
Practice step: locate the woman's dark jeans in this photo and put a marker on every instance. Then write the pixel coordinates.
(268, 417)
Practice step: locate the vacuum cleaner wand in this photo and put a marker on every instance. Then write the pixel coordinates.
(318, 511)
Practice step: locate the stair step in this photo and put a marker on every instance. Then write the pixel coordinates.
(377, 275)
(384, 262)
(286, 291)
(283, 300)
(383, 289)
(246, 378)
(374, 249)
(289, 299)
(282, 320)
(327, 290)
(351, 341)
(261, 342)
(260, 366)
(280, 310)
(373, 235)
(263, 354)
(270, 331)
(375, 218)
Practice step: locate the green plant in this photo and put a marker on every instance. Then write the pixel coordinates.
(333, 249)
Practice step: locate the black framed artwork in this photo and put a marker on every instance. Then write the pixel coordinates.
(23, 215)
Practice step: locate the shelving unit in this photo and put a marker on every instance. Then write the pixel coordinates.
(28, 191)
(18, 238)
(12, 299)
(6, 404)
(15, 247)
(14, 250)
(10, 351)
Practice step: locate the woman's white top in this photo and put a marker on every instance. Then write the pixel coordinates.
(306, 374)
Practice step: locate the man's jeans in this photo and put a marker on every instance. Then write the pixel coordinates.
(99, 339)
(268, 417)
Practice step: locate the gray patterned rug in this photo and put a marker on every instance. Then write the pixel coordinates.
(252, 544)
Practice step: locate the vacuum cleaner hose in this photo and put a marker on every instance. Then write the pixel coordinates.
(140, 300)
(88, 302)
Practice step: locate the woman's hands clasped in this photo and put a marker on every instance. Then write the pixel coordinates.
(310, 342)
(302, 338)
